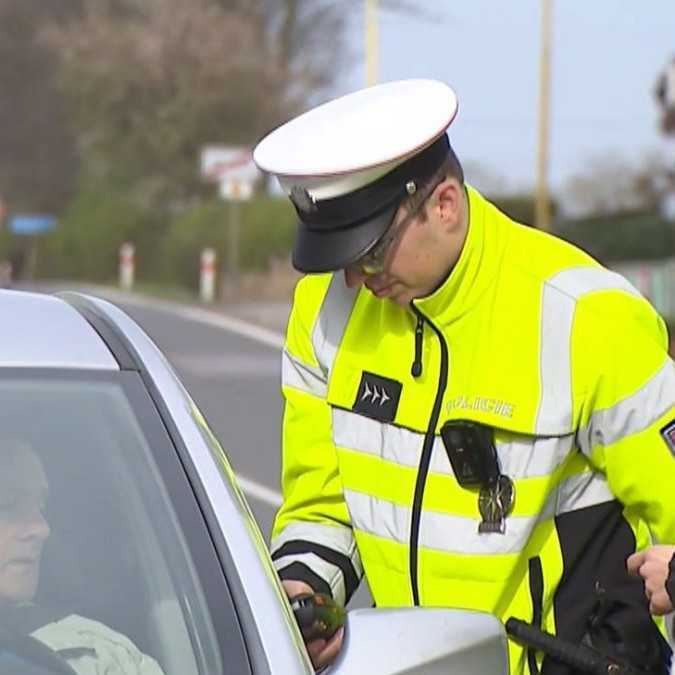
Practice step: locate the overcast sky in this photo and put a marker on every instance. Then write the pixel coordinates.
(606, 56)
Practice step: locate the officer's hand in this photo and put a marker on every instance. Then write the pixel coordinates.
(322, 652)
(652, 566)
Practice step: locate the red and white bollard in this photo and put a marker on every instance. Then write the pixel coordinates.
(207, 275)
(127, 251)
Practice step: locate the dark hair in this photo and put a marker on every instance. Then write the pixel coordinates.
(449, 168)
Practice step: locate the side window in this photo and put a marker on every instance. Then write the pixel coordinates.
(99, 565)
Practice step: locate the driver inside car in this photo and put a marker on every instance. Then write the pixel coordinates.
(35, 639)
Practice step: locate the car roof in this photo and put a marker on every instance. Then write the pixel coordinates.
(44, 331)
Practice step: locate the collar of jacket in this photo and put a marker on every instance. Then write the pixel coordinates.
(476, 268)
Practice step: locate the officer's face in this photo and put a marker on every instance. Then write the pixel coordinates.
(427, 248)
(23, 528)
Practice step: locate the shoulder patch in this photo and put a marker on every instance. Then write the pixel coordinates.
(377, 397)
(668, 435)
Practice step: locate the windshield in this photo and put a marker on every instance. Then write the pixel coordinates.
(93, 561)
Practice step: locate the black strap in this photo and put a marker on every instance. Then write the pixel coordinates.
(299, 546)
(298, 571)
(537, 595)
(366, 202)
(622, 628)
(34, 651)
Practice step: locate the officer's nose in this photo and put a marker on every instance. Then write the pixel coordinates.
(354, 276)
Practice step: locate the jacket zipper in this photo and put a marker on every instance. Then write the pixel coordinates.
(416, 369)
(425, 459)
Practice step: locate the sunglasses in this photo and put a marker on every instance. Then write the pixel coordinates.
(373, 260)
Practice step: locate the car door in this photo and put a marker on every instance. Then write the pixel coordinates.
(126, 567)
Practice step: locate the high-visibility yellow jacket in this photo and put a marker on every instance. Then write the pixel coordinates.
(563, 358)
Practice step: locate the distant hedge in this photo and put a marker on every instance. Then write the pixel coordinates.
(521, 208)
(86, 243)
(629, 236)
(267, 228)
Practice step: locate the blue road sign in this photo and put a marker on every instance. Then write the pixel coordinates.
(31, 224)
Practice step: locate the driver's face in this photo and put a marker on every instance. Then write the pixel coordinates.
(23, 528)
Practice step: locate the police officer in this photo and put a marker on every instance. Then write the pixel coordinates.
(477, 414)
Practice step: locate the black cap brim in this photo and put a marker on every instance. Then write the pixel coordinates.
(318, 251)
(335, 232)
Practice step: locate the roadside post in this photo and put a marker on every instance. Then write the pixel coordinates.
(207, 275)
(127, 265)
(233, 169)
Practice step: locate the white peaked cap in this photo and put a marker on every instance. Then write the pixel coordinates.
(337, 162)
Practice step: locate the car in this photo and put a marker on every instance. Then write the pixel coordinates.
(148, 532)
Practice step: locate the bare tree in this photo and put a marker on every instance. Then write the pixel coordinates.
(143, 84)
(38, 161)
(150, 85)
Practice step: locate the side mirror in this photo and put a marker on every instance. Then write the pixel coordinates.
(422, 641)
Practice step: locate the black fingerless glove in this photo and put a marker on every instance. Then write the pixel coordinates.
(670, 582)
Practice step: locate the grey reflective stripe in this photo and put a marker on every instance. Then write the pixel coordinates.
(555, 405)
(340, 538)
(579, 281)
(390, 443)
(298, 375)
(577, 492)
(581, 491)
(330, 573)
(528, 457)
(459, 535)
(438, 531)
(627, 417)
(559, 299)
(332, 320)
(522, 457)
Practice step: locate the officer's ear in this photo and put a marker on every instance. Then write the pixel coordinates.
(448, 202)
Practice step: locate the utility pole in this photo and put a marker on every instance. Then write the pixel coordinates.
(665, 97)
(543, 205)
(372, 42)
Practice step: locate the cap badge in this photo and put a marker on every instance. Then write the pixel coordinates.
(411, 187)
(302, 199)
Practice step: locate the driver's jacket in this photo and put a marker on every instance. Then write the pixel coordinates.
(563, 358)
(92, 648)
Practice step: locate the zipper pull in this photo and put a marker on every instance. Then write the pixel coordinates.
(416, 369)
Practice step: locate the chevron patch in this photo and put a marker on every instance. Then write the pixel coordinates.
(377, 397)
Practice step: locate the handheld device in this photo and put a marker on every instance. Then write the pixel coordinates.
(318, 615)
